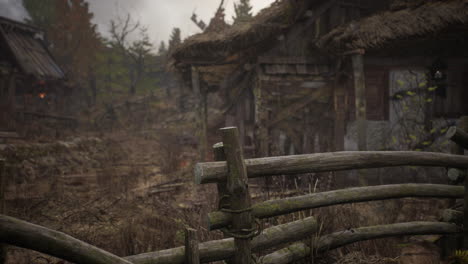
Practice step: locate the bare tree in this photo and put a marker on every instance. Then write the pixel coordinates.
(135, 53)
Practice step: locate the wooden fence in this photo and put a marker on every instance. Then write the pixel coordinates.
(240, 220)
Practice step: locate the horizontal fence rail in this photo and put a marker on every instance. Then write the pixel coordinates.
(300, 250)
(26, 235)
(210, 172)
(224, 249)
(278, 207)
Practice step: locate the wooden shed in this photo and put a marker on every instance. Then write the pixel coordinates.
(29, 76)
(291, 77)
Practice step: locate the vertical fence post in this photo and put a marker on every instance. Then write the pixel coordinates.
(218, 153)
(192, 254)
(2, 204)
(463, 124)
(240, 201)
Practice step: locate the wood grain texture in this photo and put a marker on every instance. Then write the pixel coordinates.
(273, 208)
(239, 196)
(298, 251)
(210, 172)
(192, 254)
(224, 249)
(26, 235)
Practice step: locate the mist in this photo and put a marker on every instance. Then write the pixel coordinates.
(13, 9)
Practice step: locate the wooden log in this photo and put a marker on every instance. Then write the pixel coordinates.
(458, 136)
(239, 197)
(452, 216)
(26, 235)
(224, 249)
(273, 208)
(298, 251)
(192, 254)
(209, 172)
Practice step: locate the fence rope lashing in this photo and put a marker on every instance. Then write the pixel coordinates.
(244, 233)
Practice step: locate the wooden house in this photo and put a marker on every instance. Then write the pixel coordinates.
(30, 78)
(292, 76)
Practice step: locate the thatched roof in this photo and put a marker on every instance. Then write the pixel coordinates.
(217, 47)
(428, 18)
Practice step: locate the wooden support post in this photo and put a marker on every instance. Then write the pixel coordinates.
(240, 203)
(192, 254)
(202, 112)
(261, 117)
(2, 204)
(11, 100)
(339, 103)
(360, 100)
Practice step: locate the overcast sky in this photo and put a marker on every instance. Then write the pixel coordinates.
(160, 16)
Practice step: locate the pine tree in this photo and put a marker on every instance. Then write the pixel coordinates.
(162, 48)
(243, 11)
(175, 39)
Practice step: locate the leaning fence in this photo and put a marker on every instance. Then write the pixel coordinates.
(240, 220)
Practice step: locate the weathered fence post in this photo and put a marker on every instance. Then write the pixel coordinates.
(2, 204)
(239, 197)
(192, 253)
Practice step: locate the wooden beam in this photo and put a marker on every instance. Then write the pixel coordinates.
(360, 103)
(210, 172)
(274, 208)
(202, 112)
(261, 116)
(300, 250)
(239, 197)
(26, 235)
(224, 249)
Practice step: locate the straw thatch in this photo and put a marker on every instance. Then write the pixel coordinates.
(376, 31)
(217, 47)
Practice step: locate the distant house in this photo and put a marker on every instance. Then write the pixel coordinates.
(30, 78)
(292, 76)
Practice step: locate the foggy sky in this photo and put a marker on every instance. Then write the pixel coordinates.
(13, 9)
(160, 16)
